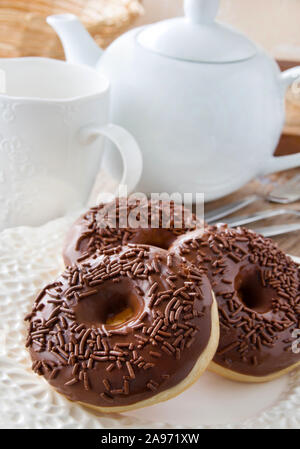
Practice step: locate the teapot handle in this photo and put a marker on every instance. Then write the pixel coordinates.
(289, 78)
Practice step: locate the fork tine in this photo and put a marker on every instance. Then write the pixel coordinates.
(221, 212)
(270, 231)
(260, 215)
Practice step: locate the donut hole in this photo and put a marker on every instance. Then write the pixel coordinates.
(251, 291)
(161, 238)
(113, 305)
(118, 312)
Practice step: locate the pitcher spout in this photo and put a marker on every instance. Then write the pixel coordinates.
(79, 46)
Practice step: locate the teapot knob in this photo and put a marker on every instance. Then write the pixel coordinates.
(201, 11)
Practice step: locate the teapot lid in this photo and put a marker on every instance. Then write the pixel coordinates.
(197, 37)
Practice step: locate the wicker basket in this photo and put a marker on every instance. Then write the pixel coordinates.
(24, 31)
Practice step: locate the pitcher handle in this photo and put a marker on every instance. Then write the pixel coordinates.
(279, 163)
(126, 144)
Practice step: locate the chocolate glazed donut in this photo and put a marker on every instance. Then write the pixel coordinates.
(257, 288)
(126, 329)
(106, 225)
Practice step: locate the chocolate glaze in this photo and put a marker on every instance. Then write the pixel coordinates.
(257, 288)
(95, 229)
(116, 365)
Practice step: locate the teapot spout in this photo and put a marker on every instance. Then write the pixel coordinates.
(79, 46)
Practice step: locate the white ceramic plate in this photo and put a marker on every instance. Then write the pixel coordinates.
(31, 257)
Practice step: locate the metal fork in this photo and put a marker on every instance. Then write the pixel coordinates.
(267, 231)
(270, 231)
(221, 212)
(260, 215)
(284, 194)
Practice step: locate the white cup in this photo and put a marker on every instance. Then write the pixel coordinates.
(53, 117)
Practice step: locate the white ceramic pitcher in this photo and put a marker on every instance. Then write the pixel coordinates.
(53, 118)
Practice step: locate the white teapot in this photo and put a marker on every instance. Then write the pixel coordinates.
(205, 104)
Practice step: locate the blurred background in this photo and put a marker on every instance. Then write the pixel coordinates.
(272, 23)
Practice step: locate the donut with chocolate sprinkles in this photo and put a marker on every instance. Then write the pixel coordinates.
(156, 223)
(124, 329)
(257, 288)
